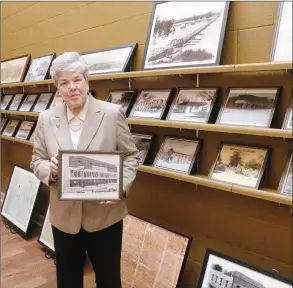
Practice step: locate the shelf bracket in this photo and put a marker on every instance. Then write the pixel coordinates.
(129, 83)
(197, 80)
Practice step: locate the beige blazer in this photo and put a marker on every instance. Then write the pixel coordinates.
(105, 129)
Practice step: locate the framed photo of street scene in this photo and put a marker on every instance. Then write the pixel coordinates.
(25, 130)
(110, 60)
(282, 48)
(11, 128)
(13, 70)
(177, 154)
(240, 164)
(16, 101)
(143, 143)
(183, 34)
(43, 102)
(125, 98)
(39, 68)
(90, 175)
(193, 105)
(285, 185)
(152, 104)
(220, 270)
(6, 100)
(28, 102)
(249, 107)
(287, 124)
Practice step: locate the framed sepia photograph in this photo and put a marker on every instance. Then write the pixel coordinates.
(240, 164)
(90, 175)
(249, 107)
(6, 100)
(110, 60)
(285, 185)
(4, 121)
(177, 154)
(193, 105)
(57, 99)
(287, 124)
(220, 270)
(143, 143)
(16, 102)
(28, 102)
(183, 34)
(25, 130)
(11, 128)
(125, 98)
(151, 104)
(43, 102)
(14, 69)
(20, 199)
(282, 48)
(39, 68)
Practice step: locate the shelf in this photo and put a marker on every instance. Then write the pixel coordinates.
(268, 195)
(20, 113)
(18, 140)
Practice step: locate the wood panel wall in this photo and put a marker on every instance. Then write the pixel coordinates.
(253, 230)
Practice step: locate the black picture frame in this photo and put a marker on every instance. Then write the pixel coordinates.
(16, 101)
(214, 261)
(25, 129)
(28, 102)
(11, 127)
(286, 179)
(6, 101)
(43, 102)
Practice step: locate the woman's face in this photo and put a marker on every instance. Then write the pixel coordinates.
(73, 88)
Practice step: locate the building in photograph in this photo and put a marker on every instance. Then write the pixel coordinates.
(175, 157)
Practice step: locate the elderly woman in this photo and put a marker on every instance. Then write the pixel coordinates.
(80, 227)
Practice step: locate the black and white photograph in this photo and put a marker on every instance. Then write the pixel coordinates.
(287, 124)
(240, 164)
(192, 105)
(249, 107)
(285, 185)
(11, 128)
(57, 99)
(109, 60)
(282, 48)
(151, 104)
(185, 34)
(143, 143)
(28, 102)
(86, 175)
(223, 271)
(31, 138)
(4, 121)
(177, 154)
(124, 98)
(25, 129)
(16, 102)
(20, 198)
(6, 101)
(43, 102)
(46, 236)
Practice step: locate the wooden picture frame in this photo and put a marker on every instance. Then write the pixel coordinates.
(81, 175)
(143, 143)
(11, 128)
(16, 101)
(285, 185)
(43, 102)
(25, 129)
(28, 102)
(6, 101)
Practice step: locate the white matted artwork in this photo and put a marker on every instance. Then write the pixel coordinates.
(285, 185)
(20, 198)
(282, 44)
(46, 236)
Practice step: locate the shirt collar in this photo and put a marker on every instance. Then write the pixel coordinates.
(82, 113)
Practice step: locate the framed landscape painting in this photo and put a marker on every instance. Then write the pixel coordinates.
(285, 185)
(249, 107)
(15, 103)
(25, 130)
(183, 34)
(143, 143)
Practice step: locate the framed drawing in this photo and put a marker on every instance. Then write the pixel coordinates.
(151, 103)
(57, 99)
(14, 69)
(20, 199)
(25, 130)
(4, 121)
(220, 270)
(287, 124)
(143, 143)
(16, 102)
(240, 164)
(285, 185)
(249, 107)
(11, 128)
(152, 254)
(43, 102)
(177, 154)
(193, 105)
(90, 175)
(183, 34)
(125, 98)
(109, 60)
(282, 48)
(6, 100)
(39, 68)
(28, 102)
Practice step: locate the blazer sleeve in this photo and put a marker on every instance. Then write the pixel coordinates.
(126, 144)
(40, 163)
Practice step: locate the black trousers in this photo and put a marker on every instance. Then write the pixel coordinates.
(103, 248)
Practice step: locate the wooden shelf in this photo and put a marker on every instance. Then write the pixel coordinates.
(18, 140)
(20, 113)
(268, 195)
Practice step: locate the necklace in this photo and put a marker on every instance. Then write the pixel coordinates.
(75, 127)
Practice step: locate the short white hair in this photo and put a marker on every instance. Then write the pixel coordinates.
(68, 62)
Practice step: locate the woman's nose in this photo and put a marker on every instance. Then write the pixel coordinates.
(72, 86)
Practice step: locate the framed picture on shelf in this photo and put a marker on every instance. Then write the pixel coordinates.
(14, 69)
(20, 199)
(4, 121)
(31, 138)
(143, 143)
(177, 154)
(183, 34)
(28, 102)
(16, 102)
(240, 164)
(285, 185)
(287, 124)
(249, 107)
(6, 100)
(220, 270)
(11, 128)
(43, 102)
(110, 60)
(282, 48)
(25, 129)
(57, 99)
(151, 104)
(193, 105)
(125, 98)
(39, 68)
(90, 175)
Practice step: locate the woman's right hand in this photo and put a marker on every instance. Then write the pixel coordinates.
(54, 165)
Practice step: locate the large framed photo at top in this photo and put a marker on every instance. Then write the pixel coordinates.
(185, 34)
(90, 175)
(223, 271)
